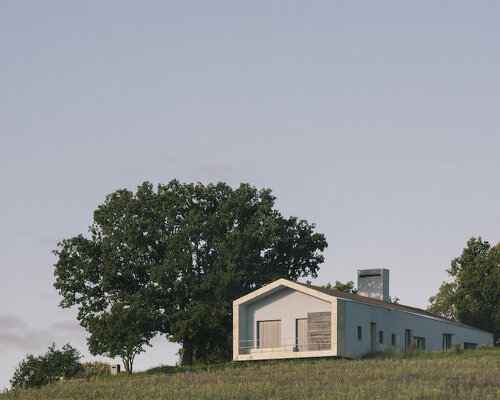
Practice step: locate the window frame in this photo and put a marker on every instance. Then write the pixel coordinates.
(470, 346)
(447, 341)
(419, 342)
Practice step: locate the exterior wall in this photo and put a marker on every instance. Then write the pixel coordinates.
(395, 321)
(286, 305)
(287, 301)
(241, 333)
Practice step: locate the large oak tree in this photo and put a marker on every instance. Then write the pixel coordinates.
(175, 258)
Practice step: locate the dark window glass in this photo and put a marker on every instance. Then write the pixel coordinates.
(446, 341)
(360, 335)
(381, 337)
(408, 336)
(393, 339)
(419, 342)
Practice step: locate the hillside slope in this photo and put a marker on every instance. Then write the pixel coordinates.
(468, 375)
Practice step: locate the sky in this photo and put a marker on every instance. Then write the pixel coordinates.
(377, 121)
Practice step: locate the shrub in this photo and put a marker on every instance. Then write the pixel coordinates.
(486, 347)
(381, 354)
(96, 368)
(51, 366)
(457, 348)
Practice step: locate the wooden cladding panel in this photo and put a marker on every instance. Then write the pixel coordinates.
(269, 334)
(319, 326)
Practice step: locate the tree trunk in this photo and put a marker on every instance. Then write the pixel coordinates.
(127, 364)
(187, 353)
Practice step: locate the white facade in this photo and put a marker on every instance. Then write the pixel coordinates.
(286, 305)
(343, 324)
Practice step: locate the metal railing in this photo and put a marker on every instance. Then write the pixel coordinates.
(286, 344)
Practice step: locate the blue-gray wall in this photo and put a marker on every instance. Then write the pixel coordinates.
(393, 321)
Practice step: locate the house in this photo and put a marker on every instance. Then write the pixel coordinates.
(295, 320)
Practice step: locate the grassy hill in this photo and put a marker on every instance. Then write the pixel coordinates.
(431, 375)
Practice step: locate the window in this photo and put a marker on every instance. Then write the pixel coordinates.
(408, 336)
(301, 336)
(419, 342)
(373, 336)
(446, 341)
(360, 333)
(393, 339)
(470, 346)
(381, 337)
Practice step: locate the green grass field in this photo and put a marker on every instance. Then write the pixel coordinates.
(430, 375)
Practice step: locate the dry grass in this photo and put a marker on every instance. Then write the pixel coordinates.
(468, 375)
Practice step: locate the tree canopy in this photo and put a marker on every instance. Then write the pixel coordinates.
(347, 287)
(107, 277)
(473, 297)
(172, 260)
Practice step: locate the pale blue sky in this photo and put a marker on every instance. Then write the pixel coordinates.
(377, 121)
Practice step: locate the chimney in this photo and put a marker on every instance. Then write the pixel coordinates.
(374, 283)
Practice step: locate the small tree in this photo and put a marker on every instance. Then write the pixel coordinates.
(123, 332)
(107, 276)
(51, 366)
(473, 297)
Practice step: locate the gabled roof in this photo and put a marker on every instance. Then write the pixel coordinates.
(369, 300)
(328, 294)
(374, 302)
(278, 285)
(385, 304)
